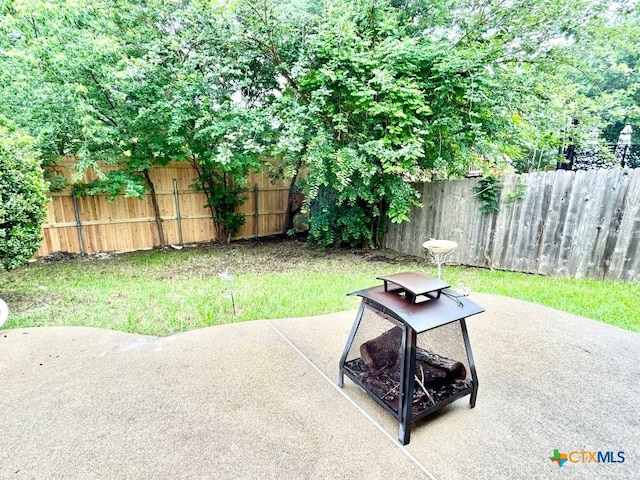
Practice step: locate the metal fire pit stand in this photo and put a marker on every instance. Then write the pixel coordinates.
(415, 303)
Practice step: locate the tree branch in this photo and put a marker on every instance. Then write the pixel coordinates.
(101, 88)
(103, 117)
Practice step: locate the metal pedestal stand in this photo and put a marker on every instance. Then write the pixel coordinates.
(440, 251)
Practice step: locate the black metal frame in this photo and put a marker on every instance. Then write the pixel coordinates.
(409, 344)
(353, 377)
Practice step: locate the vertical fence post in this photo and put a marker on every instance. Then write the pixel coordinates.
(78, 223)
(255, 210)
(178, 216)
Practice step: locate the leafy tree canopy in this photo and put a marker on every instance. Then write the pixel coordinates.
(135, 85)
(604, 68)
(357, 99)
(382, 93)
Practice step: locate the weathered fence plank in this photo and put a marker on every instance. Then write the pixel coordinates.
(574, 224)
(586, 185)
(625, 259)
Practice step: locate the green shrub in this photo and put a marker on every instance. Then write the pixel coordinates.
(22, 199)
(488, 194)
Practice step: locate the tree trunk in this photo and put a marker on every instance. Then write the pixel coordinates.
(156, 208)
(224, 237)
(288, 216)
(203, 185)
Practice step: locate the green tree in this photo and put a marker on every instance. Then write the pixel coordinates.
(84, 90)
(146, 83)
(379, 94)
(22, 199)
(215, 94)
(358, 99)
(604, 66)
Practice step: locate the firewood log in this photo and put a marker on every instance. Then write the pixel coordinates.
(428, 373)
(455, 370)
(384, 350)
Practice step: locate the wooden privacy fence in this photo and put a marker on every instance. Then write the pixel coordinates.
(570, 224)
(94, 224)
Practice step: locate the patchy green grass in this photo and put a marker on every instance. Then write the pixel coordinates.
(163, 292)
(604, 300)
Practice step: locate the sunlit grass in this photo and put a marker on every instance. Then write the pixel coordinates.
(161, 293)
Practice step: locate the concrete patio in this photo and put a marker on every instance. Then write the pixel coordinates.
(259, 400)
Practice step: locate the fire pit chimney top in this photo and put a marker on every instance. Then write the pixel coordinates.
(413, 285)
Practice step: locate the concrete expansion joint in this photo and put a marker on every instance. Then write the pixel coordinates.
(386, 434)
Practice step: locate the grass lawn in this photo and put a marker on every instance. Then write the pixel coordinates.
(164, 292)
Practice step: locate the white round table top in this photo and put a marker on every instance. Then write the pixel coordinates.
(440, 246)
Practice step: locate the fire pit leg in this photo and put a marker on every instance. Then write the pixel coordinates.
(472, 365)
(406, 400)
(347, 347)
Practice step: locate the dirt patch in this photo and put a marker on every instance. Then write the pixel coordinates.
(68, 256)
(276, 255)
(21, 302)
(252, 256)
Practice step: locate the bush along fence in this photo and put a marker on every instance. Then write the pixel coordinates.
(560, 223)
(93, 223)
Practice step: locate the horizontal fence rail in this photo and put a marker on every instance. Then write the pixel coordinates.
(89, 224)
(569, 224)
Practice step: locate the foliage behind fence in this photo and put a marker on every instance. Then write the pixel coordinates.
(574, 224)
(95, 224)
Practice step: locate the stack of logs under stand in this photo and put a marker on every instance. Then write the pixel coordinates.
(379, 369)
